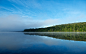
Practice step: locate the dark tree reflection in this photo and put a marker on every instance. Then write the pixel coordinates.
(66, 36)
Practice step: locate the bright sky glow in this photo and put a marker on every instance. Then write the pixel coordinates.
(22, 14)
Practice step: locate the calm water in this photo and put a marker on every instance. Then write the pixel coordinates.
(42, 43)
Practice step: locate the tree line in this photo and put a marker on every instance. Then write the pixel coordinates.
(73, 27)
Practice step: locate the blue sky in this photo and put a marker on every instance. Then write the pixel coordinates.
(21, 14)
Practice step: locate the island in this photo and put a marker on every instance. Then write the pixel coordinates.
(71, 27)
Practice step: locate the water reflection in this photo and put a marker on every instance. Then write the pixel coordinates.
(39, 43)
(80, 36)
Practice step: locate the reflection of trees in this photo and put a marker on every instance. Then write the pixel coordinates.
(67, 36)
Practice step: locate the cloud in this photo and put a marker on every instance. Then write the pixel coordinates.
(27, 3)
(51, 21)
(11, 22)
(17, 23)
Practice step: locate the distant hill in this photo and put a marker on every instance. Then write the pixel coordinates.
(72, 27)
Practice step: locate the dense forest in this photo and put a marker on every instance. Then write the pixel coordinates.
(72, 27)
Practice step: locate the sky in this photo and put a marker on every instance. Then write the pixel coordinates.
(17, 15)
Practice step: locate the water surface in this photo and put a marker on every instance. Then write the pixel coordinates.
(42, 43)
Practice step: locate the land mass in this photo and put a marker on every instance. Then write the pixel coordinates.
(71, 27)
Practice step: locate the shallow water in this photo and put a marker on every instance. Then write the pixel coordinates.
(42, 43)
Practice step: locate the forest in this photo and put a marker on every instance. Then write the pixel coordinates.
(71, 27)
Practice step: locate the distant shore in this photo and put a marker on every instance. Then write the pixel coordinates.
(73, 27)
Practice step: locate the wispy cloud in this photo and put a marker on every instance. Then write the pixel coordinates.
(27, 3)
(17, 8)
(11, 9)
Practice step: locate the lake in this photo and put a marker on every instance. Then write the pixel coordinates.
(43, 42)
